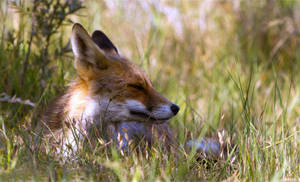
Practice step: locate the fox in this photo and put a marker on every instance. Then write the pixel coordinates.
(109, 92)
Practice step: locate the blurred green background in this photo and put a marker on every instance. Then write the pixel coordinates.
(232, 66)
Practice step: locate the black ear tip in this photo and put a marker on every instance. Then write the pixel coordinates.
(102, 41)
(98, 33)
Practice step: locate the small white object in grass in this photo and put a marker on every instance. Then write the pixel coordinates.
(14, 99)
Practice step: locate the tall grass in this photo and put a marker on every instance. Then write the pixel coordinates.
(233, 67)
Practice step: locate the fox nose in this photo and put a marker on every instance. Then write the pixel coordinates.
(175, 108)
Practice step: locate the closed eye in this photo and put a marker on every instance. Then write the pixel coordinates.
(138, 87)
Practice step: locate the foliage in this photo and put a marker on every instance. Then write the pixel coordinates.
(233, 67)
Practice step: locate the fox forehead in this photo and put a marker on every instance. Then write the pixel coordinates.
(122, 73)
(135, 75)
(131, 72)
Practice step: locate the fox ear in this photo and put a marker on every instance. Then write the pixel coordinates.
(85, 50)
(103, 42)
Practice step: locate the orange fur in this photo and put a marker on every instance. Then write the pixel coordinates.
(109, 90)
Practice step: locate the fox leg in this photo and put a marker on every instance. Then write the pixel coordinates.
(126, 133)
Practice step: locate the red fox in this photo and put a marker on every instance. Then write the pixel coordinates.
(109, 92)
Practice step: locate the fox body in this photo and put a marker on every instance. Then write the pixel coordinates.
(113, 97)
(109, 92)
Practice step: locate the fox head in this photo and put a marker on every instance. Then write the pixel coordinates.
(111, 87)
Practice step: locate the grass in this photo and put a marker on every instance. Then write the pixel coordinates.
(232, 66)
